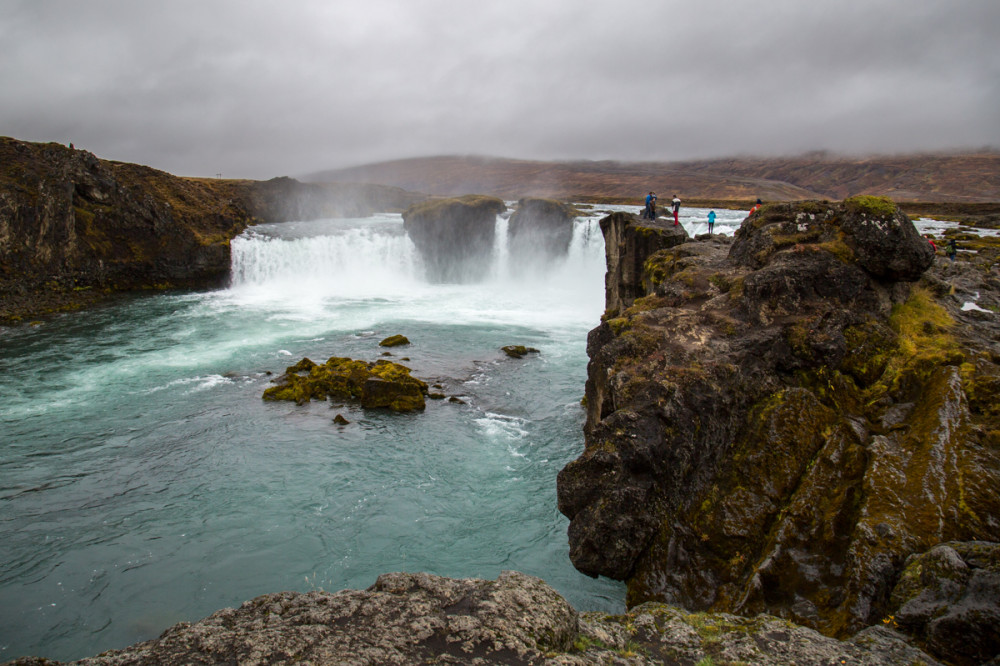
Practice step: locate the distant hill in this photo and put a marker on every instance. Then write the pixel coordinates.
(972, 177)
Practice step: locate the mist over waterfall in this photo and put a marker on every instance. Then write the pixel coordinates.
(332, 261)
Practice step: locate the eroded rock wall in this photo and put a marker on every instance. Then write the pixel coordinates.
(777, 427)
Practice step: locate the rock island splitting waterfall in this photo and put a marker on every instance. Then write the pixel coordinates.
(145, 482)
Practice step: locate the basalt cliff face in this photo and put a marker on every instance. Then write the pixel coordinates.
(776, 422)
(74, 227)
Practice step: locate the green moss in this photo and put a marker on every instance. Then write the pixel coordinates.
(721, 282)
(657, 268)
(619, 325)
(839, 249)
(879, 206)
(394, 341)
(345, 378)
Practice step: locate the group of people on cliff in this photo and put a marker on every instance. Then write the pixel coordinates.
(649, 212)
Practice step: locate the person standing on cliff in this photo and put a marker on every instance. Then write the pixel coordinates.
(756, 207)
(951, 250)
(648, 213)
(711, 221)
(676, 205)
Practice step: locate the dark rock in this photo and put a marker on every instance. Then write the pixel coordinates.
(454, 236)
(382, 384)
(949, 599)
(628, 242)
(394, 341)
(407, 618)
(340, 420)
(518, 351)
(776, 428)
(869, 231)
(540, 230)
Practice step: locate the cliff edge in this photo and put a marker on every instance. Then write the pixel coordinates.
(776, 422)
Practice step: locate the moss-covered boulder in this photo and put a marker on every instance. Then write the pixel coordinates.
(539, 231)
(775, 426)
(454, 237)
(871, 232)
(394, 341)
(518, 351)
(382, 384)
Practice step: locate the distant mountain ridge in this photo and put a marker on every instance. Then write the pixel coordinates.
(963, 177)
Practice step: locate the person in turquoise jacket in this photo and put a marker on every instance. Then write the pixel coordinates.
(711, 221)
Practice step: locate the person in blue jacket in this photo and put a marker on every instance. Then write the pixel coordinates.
(711, 221)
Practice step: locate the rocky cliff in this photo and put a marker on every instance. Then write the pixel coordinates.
(776, 423)
(74, 227)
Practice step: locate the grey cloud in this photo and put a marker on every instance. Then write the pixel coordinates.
(257, 89)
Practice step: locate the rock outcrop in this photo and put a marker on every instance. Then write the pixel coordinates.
(454, 236)
(539, 231)
(382, 384)
(628, 242)
(777, 428)
(422, 619)
(74, 228)
(951, 591)
(70, 222)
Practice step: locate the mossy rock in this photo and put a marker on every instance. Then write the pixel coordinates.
(394, 341)
(382, 384)
(518, 351)
(878, 206)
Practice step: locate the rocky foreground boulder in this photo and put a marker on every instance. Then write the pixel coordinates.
(408, 619)
(777, 422)
(455, 237)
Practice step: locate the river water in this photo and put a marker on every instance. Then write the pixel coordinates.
(143, 481)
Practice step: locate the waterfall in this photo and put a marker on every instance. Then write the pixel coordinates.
(374, 257)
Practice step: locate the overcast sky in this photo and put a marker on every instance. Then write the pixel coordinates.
(252, 88)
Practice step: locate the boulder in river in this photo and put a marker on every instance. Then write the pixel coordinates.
(379, 384)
